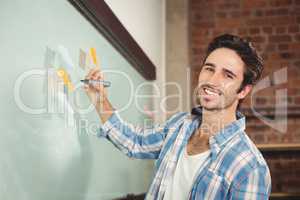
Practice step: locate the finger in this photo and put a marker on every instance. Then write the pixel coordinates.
(92, 72)
(98, 76)
(101, 75)
(88, 76)
(98, 73)
(99, 86)
(85, 86)
(94, 77)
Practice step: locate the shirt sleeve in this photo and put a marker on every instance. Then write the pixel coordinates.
(136, 141)
(254, 186)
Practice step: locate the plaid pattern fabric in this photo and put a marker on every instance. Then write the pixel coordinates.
(235, 168)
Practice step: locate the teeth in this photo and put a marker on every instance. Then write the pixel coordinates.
(210, 92)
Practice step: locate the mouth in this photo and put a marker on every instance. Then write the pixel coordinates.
(210, 91)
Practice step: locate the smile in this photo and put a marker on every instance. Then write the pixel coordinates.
(210, 91)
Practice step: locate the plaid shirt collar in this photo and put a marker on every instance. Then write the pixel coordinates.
(218, 141)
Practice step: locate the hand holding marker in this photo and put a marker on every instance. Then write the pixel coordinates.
(95, 87)
(94, 83)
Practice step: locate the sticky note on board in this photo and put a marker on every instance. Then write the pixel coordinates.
(82, 59)
(94, 57)
(63, 74)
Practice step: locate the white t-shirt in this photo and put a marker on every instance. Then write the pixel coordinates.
(187, 167)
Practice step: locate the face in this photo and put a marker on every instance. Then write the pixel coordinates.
(220, 79)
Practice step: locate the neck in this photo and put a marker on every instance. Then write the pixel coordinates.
(215, 120)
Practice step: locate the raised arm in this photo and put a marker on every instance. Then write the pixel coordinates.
(134, 141)
(98, 95)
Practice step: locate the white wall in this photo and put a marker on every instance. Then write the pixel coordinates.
(145, 21)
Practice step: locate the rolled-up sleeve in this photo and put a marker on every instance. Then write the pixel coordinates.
(135, 141)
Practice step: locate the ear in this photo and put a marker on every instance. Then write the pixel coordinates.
(245, 91)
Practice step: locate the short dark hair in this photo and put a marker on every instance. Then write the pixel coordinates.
(243, 47)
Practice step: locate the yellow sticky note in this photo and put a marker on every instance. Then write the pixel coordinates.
(94, 56)
(63, 74)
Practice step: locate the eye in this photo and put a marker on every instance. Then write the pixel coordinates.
(229, 76)
(209, 69)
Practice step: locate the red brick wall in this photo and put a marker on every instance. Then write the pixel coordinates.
(273, 26)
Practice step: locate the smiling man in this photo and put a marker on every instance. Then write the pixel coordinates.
(205, 154)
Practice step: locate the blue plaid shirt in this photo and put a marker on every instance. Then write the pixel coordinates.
(235, 168)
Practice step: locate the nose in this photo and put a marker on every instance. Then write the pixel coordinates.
(215, 79)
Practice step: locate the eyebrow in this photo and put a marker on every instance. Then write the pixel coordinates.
(210, 64)
(224, 69)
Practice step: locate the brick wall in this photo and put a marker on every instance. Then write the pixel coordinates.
(273, 26)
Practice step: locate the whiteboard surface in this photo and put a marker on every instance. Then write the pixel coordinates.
(41, 157)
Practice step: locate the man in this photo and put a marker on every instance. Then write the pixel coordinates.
(204, 155)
